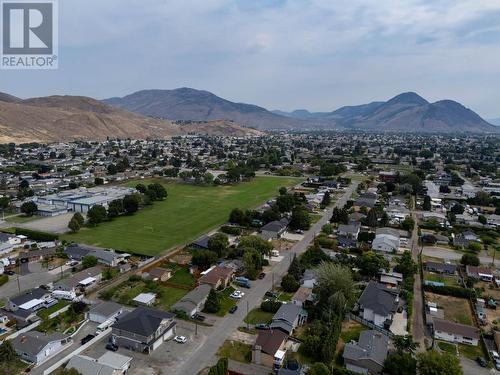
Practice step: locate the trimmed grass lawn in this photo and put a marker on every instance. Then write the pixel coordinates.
(187, 213)
(352, 332)
(447, 347)
(471, 352)
(235, 350)
(19, 219)
(180, 275)
(226, 302)
(43, 314)
(257, 316)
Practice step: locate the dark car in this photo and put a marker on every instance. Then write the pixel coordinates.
(10, 273)
(400, 309)
(86, 339)
(262, 275)
(271, 294)
(233, 309)
(262, 326)
(111, 346)
(199, 317)
(481, 361)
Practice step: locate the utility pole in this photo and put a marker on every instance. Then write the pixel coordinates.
(248, 326)
(195, 328)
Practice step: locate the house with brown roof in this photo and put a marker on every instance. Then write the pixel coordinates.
(302, 296)
(479, 273)
(159, 274)
(269, 348)
(455, 332)
(217, 277)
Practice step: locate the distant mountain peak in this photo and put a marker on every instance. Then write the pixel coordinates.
(408, 98)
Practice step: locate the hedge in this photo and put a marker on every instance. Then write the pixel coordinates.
(453, 291)
(36, 235)
(228, 229)
(3, 279)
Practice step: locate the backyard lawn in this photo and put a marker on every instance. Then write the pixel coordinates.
(180, 275)
(446, 280)
(235, 350)
(257, 316)
(455, 309)
(187, 213)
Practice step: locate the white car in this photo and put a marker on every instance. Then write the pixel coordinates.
(237, 294)
(180, 339)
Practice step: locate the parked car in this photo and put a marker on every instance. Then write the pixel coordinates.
(9, 272)
(86, 339)
(271, 294)
(497, 364)
(180, 339)
(481, 362)
(400, 309)
(262, 275)
(262, 326)
(233, 309)
(237, 294)
(111, 346)
(494, 355)
(199, 317)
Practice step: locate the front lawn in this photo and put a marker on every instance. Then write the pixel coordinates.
(43, 314)
(226, 302)
(235, 350)
(471, 352)
(257, 316)
(447, 347)
(187, 213)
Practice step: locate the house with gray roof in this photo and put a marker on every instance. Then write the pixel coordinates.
(288, 317)
(275, 229)
(366, 356)
(36, 347)
(194, 301)
(109, 363)
(378, 304)
(143, 329)
(104, 311)
(349, 230)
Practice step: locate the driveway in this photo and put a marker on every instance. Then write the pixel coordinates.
(472, 368)
(205, 354)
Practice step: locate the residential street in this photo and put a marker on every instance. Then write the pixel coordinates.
(205, 355)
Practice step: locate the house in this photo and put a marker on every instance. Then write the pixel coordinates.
(159, 274)
(84, 280)
(365, 200)
(109, 363)
(274, 229)
(391, 278)
(386, 240)
(194, 301)
(442, 268)
(36, 347)
(356, 217)
(32, 300)
(104, 311)
(36, 255)
(388, 176)
(346, 242)
(145, 299)
(479, 273)
(302, 296)
(106, 257)
(463, 240)
(288, 317)
(10, 239)
(455, 332)
(269, 348)
(217, 277)
(200, 243)
(366, 356)
(378, 304)
(349, 230)
(143, 329)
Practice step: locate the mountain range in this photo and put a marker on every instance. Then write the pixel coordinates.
(64, 118)
(406, 112)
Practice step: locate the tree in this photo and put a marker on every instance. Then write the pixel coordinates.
(262, 246)
(237, 216)
(295, 269)
(285, 202)
(220, 368)
(370, 263)
(457, 209)
(115, 208)
(404, 343)
(89, 261)
(212, 304)
(427, 203)
(371, 218)
(131, 203)
(252, 261)
(79, 218)
(98, 181)
(408, 223)
(434, 363)
(74, 225)
(319, 368)
(475, 247)
(327, 199)
(469, 260)
(4, 203)
(204, 258)
(400, 364)
(289, 284)
(335, 289)
(7, 352)
(406, 265)
(300, 219)
(159, 189)
(340, 216)
(327, 229)
(482, 219)
(218, 243)
(282, 190)
(29, 208)
(208, 178)
(96, 214)
(141, 188)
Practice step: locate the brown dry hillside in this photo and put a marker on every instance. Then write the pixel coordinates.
(63, 118)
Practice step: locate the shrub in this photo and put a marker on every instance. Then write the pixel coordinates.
(228, 229)
(3, 279)
(36, 235)
(270, 306)
(453, 291)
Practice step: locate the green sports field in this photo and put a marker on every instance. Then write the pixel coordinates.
(188, 212)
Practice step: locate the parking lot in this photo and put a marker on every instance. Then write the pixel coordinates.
(169, 355)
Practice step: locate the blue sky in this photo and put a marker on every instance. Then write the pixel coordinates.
(280, 54)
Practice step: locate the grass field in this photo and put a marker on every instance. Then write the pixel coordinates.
(188, 212)
(455, 309)
(258, 316)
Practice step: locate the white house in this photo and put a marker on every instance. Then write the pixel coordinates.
(37, 347)
(378, 304)
(386, 240)
(455, 332)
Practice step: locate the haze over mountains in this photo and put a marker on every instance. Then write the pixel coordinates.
(407, 112)
(62, 118)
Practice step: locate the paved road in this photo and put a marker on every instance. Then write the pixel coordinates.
(448, 254)
(205, 355)
(470, 367)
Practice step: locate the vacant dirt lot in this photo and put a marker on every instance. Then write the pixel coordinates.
(455, 309)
